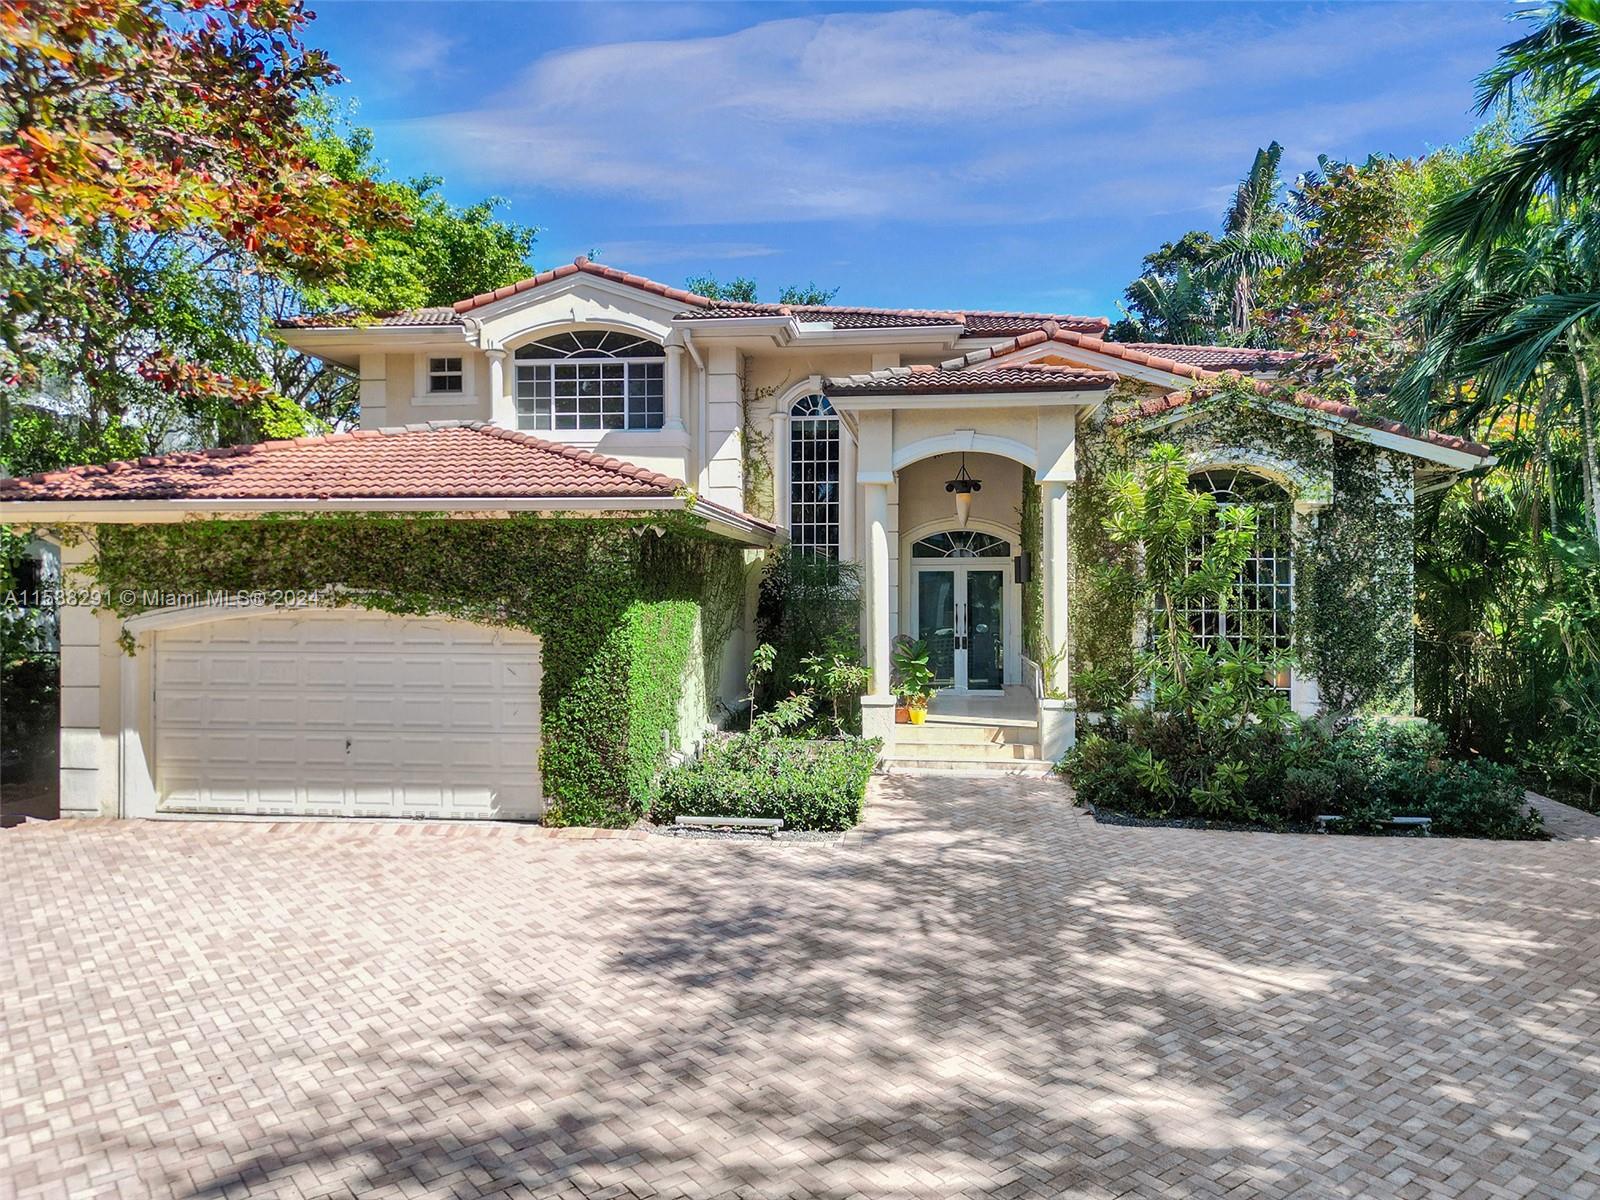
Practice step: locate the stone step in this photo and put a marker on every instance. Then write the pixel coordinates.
(965, 735)
(901, 765)
(975, 751)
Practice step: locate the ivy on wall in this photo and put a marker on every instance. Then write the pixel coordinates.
(1355, 579)
(1353, 559)
(619, 607)
(1030, 526)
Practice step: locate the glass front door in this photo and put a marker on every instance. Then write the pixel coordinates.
(960, 617)
(936, 623)
(983, 632)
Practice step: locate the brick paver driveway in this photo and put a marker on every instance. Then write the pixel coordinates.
(989, 995)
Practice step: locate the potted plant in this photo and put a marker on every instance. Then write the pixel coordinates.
(913, 685)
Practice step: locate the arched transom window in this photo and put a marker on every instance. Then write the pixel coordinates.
(814, 476)
(1265, 592)
(590, 379)
(962, 543)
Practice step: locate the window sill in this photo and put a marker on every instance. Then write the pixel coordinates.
(612, 437)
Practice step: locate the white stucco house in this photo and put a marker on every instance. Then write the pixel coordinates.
(588, 391)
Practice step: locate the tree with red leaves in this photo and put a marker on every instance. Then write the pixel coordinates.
(126, 125)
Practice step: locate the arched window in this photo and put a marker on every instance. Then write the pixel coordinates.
(590, 379)
(1265, 591)
(962, 543)
(814, 476)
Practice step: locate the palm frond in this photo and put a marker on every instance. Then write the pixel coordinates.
(1257, 194)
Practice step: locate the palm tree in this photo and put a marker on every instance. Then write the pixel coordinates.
(1178, 308)
(1553, 73)
(1521, 307)
(1254, 237)
(1513, 331)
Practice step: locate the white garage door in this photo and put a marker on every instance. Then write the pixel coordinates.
(346, 712)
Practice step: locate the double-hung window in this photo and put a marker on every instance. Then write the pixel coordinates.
(593, 379)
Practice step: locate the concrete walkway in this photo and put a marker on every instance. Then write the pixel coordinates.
(986, 995)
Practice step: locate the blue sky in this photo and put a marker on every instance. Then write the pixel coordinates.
(1014, 157)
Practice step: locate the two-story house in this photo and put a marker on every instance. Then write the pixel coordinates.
(943, 451)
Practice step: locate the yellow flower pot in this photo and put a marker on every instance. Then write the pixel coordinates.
(917, 715)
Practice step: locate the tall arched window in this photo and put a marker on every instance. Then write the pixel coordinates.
(1264, 600)
(814, 476)
(590, 379)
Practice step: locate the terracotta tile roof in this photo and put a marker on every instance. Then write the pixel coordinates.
(583, 265)
(1012, 324)
(950, 379)
(438, 460)
(343, 320)
(1305, 400)
(977, 323)
(1219, 358)
(1202, 375)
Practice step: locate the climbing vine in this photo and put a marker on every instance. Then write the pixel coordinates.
(1030, 526)
(621, 607)
(755, 450)
(1352, 552)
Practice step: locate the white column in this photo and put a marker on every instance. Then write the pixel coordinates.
(374, 391)
(778, 447)
(673, 416)
(502, 411)
(88, 776)
(1305, 694)
(847, 494)
(877, 707)
(1053, 575)
(1058, 719)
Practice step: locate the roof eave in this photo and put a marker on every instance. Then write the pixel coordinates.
(729, 522)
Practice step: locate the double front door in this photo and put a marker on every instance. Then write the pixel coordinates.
(960, 617)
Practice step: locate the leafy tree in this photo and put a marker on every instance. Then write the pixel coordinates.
(808, 293)
(132, 122)
(1345, 301)
(438, 253)
(741, 288)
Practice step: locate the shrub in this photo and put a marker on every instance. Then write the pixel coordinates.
(1154, 764)
(809, 784)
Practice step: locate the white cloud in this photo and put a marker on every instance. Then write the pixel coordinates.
(948, 115)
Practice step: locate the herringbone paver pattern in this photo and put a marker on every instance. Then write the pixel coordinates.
(986, 995)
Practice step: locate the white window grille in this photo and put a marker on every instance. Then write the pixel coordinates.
(444, 375)
(814, 476)
(1263, 601)
(962, 543)
(593, 379)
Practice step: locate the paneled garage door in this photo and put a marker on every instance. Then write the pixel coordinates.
(346, 712)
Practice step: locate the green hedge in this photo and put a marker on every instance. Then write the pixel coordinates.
(809, 784)
(1150, 764)
(617, 613)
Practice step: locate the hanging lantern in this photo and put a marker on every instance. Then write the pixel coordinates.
(963, 485)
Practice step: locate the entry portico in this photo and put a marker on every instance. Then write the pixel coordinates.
(913, 427)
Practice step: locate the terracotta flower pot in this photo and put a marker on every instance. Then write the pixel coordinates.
(901, 714)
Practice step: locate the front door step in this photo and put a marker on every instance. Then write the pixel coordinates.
(1030, 768)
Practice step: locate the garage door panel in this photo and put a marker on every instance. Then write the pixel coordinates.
(345, 711)
(330, 672)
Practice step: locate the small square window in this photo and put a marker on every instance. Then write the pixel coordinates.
(444, 375)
